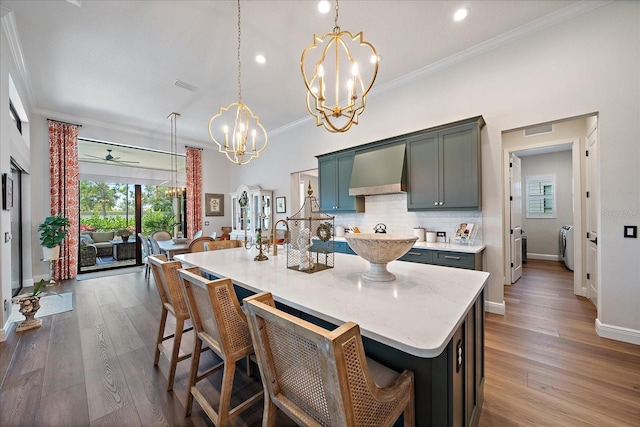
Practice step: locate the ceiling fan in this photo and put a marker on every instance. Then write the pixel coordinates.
(109, 158)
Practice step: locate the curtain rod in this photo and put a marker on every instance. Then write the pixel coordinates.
(195, 148)
(64, 123)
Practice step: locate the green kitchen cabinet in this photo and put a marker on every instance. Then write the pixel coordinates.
(444, 168)
(447, 258)
(334, 172)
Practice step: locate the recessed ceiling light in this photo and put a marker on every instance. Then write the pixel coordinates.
(324, 6)
(260, 59)
(460, 14)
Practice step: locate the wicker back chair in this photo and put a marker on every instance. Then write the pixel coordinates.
(161, 235)
(224, 244)
(321, 377)
(168, 285)
(220, 323)
(197, 244)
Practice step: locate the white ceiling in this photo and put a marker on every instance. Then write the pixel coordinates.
(115, 62)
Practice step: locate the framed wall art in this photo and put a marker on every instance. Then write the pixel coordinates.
(213, 204)
(7, 192)
(281, 204)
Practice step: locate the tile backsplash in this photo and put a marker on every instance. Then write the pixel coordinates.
(391, 209)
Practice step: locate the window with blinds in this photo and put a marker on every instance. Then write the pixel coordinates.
(541, 196)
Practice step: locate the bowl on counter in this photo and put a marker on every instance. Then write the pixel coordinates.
(179, 240)
(379, 249)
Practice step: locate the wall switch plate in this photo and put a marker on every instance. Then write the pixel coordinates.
(631, 231)
(206, 223)
(441, 234)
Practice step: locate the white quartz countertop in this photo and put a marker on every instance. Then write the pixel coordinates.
(455, 247)
(417, 313)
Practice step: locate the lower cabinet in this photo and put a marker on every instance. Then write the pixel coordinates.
(332, 246)
(449, 388)
(469, 261)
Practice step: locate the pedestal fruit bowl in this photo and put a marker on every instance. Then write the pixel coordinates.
(379, 250)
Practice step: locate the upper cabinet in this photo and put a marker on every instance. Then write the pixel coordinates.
(441, 166)
(444, 168)
(334, 171)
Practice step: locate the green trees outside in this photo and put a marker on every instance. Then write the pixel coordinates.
(111, 206)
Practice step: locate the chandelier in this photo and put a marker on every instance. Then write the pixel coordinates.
(235, 128)
(336, 95)
(174, 190)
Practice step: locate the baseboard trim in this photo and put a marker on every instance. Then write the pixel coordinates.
(618, 333)
(495, 307)
(545, 257)
(6, 327)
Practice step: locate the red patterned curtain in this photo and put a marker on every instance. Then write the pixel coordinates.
(65, 184)
(194, 191)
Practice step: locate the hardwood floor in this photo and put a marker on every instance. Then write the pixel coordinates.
(545, 365)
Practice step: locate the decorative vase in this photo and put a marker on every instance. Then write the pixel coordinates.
(50, 253)
(29, 306)
(125, 238)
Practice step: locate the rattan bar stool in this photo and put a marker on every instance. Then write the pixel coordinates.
(220, 323)
(321, 377)
(168, 285)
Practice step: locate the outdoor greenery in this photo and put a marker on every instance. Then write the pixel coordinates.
(109, 223)
(53, 231)
(155, 221)
(111, 207)
(102, 198)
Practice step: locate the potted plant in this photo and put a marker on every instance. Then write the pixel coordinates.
(125, 233)
(52, 233)
(29, 306)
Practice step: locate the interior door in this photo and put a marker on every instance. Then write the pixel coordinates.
(591, 242)
(515, 181)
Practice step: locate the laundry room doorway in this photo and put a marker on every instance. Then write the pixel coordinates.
(552, 193)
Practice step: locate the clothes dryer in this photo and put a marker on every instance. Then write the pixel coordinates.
(566, 245)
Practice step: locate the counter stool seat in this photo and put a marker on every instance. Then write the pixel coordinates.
(321, 377)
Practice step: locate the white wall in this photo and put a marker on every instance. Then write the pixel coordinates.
(563, 71)
(542, 233)
(12, 146)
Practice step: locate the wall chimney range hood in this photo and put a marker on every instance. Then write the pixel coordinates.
(379, 171)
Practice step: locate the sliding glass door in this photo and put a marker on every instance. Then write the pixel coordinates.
(112, 215)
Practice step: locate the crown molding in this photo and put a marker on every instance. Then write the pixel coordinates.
(11, 31)
(533, 27)
(525, 30)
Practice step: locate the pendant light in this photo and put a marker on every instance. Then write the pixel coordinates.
(174, 190)
(235, 129)
(336, 91)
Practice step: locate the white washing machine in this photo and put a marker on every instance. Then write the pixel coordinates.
(566, 245)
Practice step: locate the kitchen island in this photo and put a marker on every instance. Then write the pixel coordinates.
(421, 321)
